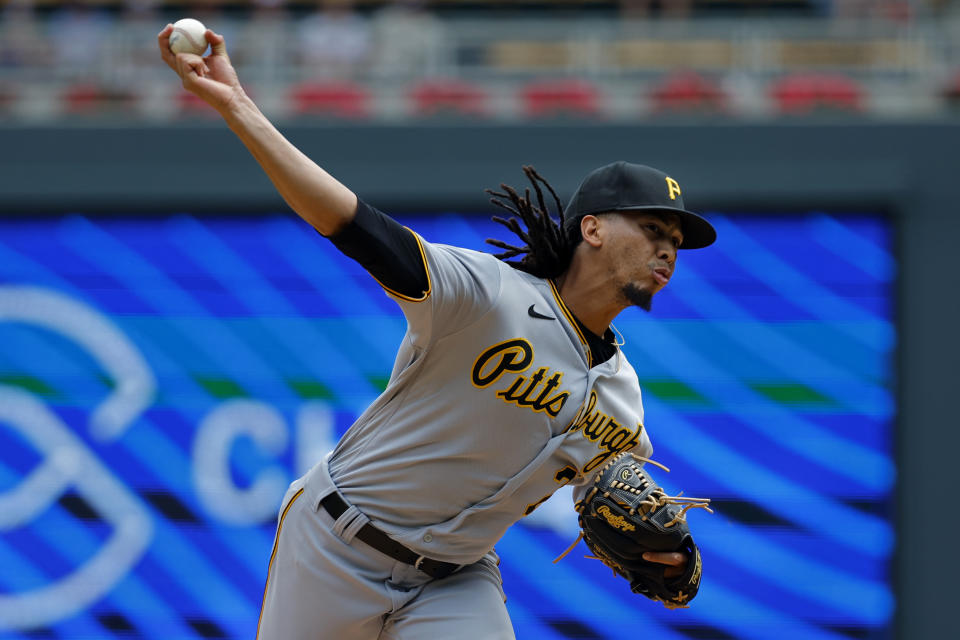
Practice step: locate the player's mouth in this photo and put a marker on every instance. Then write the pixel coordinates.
(661, 275)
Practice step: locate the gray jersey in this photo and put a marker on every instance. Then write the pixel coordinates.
(492, 405)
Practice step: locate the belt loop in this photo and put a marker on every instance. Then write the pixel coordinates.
(344, 520)
(350, 530)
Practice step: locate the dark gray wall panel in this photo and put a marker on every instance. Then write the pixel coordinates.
(907, 170)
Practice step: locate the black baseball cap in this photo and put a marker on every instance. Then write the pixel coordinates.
(623, 186)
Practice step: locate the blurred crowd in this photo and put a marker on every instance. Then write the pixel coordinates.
(78, 55)
(71, 37)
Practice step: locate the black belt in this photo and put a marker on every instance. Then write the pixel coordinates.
(383, 543)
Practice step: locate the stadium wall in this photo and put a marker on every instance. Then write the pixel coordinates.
(905, 170)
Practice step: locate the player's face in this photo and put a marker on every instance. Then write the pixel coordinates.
(642, 253)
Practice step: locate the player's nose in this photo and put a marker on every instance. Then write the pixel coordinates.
(667, 253)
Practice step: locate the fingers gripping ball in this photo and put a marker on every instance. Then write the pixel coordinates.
(625, 515)
(187, 37)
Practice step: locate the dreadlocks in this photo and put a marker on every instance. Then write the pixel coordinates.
(547, 251)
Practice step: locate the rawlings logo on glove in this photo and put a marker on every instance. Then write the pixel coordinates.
(625, 515)
(617, 522)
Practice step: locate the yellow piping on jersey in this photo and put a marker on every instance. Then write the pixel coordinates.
(573, 322)
(426, 269)
(273, 555)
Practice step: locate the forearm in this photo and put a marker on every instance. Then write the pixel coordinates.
(311, 192)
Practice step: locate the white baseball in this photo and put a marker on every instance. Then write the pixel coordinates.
(187, 37)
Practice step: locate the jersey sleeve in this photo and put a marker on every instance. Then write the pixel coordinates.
(463, 286)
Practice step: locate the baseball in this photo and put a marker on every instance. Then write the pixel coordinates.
(187, 37)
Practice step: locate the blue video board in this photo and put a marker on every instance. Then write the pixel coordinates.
(162, 380)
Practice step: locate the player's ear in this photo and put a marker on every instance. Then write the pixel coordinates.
(590, 229)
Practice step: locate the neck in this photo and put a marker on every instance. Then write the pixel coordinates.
(589, 297)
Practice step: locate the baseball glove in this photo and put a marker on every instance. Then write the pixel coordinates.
(626, 514)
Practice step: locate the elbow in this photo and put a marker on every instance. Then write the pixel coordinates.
(329, 227)
(330, 219)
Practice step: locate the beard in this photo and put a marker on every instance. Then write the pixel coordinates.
(636, 296)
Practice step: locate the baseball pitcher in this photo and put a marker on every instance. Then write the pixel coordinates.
(509, 383)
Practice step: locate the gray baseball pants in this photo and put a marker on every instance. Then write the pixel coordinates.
(323, 584)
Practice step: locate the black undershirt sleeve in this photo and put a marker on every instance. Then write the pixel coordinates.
(386, 249)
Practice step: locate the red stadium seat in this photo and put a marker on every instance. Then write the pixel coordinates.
(89, 98)
(8, 97)
(547, 98)
(807, 92)
(688, 92)
(951, 90)
(333, 98)
(81, 98)
(435, 97)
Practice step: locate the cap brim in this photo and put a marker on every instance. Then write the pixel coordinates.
(697, 230)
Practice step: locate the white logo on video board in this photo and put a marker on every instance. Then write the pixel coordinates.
(68, 463)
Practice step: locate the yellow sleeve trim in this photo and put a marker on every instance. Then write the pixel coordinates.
(426, 269)
(572, 321)
(273, 554)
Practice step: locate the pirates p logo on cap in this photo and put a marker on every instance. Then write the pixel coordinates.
(673, 188)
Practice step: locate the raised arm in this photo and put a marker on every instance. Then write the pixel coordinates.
(314, 194)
